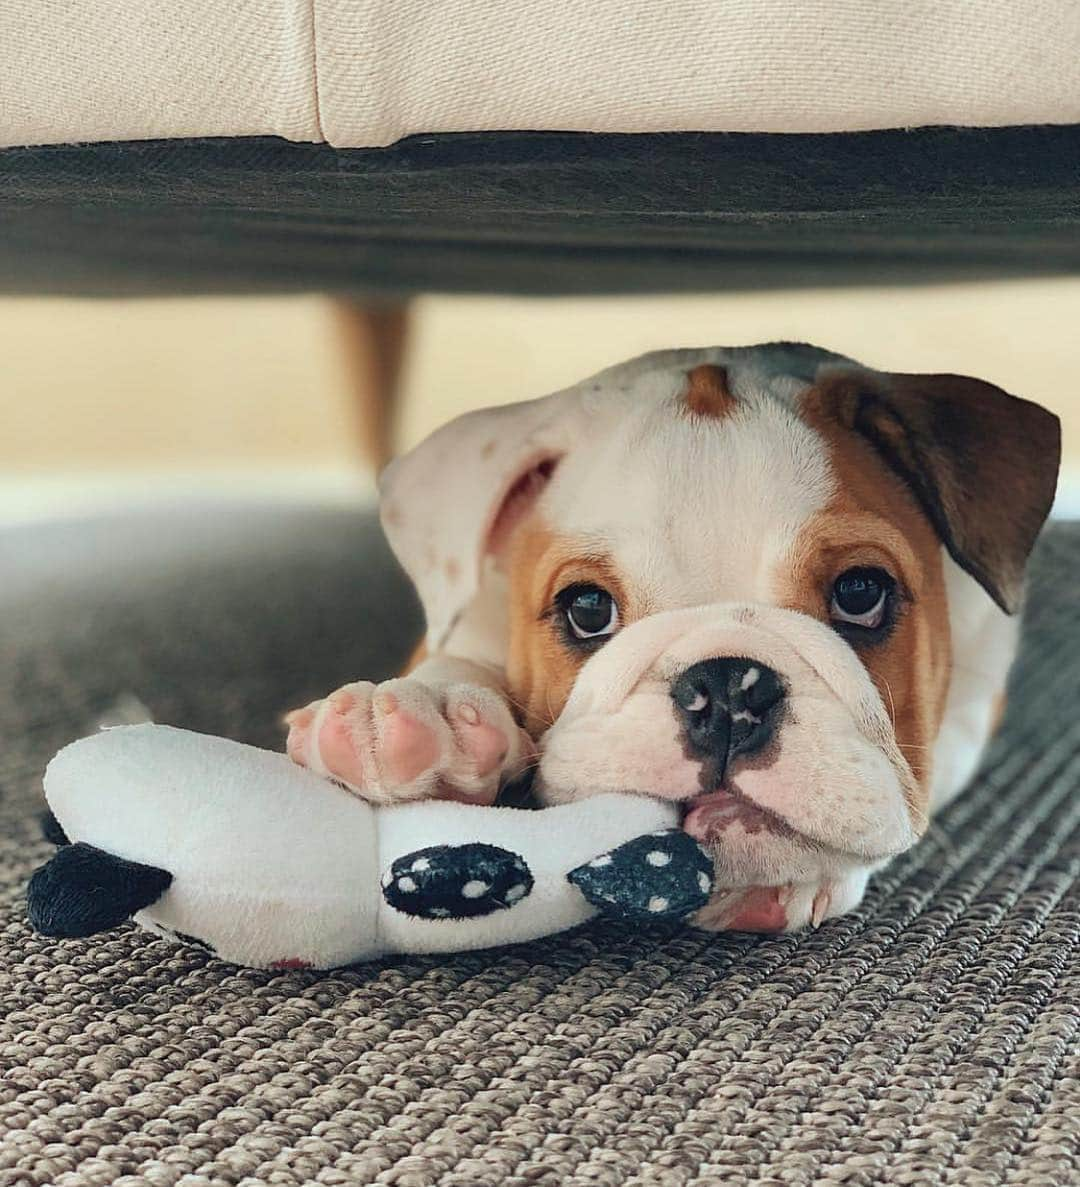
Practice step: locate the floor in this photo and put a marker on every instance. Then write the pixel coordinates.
(928, 1038)
(114, 402)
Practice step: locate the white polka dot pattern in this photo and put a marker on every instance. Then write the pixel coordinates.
(664, 875)
(457, 881)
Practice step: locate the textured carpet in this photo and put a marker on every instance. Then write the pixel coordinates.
(929, 1038)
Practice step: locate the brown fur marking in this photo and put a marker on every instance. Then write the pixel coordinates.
(541, 669)
(874, 520)
(707, 392)
(1001, 703)
(981, 463)
(416, 657)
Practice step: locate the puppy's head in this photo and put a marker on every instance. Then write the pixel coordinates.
(735, 578)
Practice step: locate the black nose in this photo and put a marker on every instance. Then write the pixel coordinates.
(727, 707)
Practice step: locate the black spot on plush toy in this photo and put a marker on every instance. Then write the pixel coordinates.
(457, 881)
(662, 876)
(265, 864)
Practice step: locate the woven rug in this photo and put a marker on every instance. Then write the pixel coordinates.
(929, 1038)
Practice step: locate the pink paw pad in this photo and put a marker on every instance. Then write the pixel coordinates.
(299, 723)
(404, 740)
(484, 743)
(337, 746)
(408, 747)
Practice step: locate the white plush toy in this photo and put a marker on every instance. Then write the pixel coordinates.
(268, 865)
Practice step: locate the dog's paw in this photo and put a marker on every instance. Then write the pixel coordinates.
(791, 907)
(407, 739)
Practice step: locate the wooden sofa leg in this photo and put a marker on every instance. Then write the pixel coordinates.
(373, 339)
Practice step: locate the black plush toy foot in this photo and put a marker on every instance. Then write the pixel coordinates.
(664, 875)
(84, 890)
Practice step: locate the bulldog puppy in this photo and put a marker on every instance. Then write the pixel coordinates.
(766, 582)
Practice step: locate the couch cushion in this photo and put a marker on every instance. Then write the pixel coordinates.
(137, 69)
(362, 73)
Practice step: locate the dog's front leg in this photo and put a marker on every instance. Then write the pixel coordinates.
(446, 730)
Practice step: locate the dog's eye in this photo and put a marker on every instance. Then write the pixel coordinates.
(860, 597)
(591, 612)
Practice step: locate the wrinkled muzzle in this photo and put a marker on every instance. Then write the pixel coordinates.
(762, 721)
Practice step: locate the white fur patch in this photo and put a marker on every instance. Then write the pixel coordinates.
(984, 640)
(694, 512)
(634, 473)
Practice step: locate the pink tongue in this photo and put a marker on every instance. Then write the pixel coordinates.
(710, 814)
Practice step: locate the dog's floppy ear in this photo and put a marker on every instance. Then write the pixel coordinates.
(983, 464)
(452, 502)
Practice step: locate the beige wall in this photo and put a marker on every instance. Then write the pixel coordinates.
(170, 383)
(1023, 336)
(183, 385)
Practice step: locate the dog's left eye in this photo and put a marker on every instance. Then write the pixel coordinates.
(860, 597)
(591, 612)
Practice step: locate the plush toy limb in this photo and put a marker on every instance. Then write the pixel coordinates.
(547, 844)
(270, 863)
(664, 875)
(84, 890)
(272, 866)
(457, 881)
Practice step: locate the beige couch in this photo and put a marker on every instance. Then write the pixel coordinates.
(362, 73)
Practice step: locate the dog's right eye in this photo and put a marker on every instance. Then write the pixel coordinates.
(591, 612)
(861, 600)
